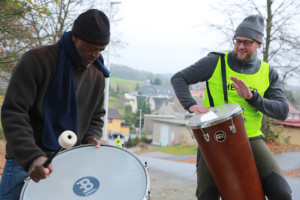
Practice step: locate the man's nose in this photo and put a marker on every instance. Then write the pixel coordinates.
(95, 54)
(242, 45)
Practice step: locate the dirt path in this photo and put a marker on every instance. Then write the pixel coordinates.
(169, 188)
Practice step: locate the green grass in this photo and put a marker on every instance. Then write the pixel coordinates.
(178, 150)
(124, 85)
(113, 101)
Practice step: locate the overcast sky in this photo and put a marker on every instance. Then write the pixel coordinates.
(164, 36)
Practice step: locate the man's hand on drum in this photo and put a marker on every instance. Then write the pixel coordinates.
(97, 143)
(197, 109)
(241, 88)
(37, 171)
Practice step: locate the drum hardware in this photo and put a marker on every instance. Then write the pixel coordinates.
(191, 133)
(205, 135)
(147, 196)
(243, 115)
(228, 155)
(232, 127)
(27, 178)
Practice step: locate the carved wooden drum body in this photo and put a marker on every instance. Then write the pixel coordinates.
(222, 138)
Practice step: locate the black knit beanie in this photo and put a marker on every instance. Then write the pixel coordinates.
(93, 27)
(251, 27)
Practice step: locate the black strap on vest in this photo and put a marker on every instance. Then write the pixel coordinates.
(223, 69)
(224, 81)
(211, 101)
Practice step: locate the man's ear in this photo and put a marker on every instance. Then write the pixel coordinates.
(74, 38)
(259, 45)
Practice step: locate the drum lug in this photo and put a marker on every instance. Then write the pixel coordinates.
(232, 128)
(206, 137)
(147, 196)
(146, 165)
(244, 117)
(27, 178)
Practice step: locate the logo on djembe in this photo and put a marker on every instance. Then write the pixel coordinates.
(220, 136)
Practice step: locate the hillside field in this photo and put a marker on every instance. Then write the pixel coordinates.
(124, 84)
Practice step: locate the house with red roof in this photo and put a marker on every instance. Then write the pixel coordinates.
(291, 126)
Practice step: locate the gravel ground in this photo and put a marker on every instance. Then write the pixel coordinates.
(164, 187)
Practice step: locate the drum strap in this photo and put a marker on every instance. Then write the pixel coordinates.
(211, 101)
(223, 69)
(224, 82)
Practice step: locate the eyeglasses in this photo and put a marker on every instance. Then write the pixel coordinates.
(246, 43)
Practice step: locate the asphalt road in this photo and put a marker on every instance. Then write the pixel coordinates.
(160, 164)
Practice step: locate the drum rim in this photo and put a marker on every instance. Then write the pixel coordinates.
(28, 180)
(213, 122)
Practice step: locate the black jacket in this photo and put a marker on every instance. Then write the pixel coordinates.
(22, 111)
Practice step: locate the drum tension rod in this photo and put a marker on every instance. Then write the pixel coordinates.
(243, 115)
(190, 132)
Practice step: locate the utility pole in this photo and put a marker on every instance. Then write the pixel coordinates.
(140, 129)
(106, 96)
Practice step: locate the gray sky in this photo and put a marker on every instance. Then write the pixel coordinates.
(163, 36)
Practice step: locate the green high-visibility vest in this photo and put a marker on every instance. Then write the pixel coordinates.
(118, 141)
(258, 82)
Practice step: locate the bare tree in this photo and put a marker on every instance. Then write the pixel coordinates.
(25, 25)
(281, 47)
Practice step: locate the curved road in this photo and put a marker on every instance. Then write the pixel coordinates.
(163, 163)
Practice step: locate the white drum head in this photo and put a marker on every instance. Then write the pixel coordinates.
(84, 172)
(216, 115)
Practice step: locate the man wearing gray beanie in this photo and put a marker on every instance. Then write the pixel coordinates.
(54, 88)
(240, 77)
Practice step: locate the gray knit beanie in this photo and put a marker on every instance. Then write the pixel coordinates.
(251, 27)
(93, 27)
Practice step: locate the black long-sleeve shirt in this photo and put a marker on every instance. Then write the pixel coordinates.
(273, 103)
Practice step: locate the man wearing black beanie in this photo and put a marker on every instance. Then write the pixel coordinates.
(92, 27)
(54, 88)
(239, 77)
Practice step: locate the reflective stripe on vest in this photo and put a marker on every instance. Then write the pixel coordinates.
(258, 82)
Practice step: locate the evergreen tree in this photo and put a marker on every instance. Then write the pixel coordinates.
(128, 114)
(117, 89)
(157, 81)
(137, 87)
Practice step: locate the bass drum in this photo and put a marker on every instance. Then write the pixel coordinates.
(85, 172)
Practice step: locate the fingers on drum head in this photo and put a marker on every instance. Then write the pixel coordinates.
(67, 139)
